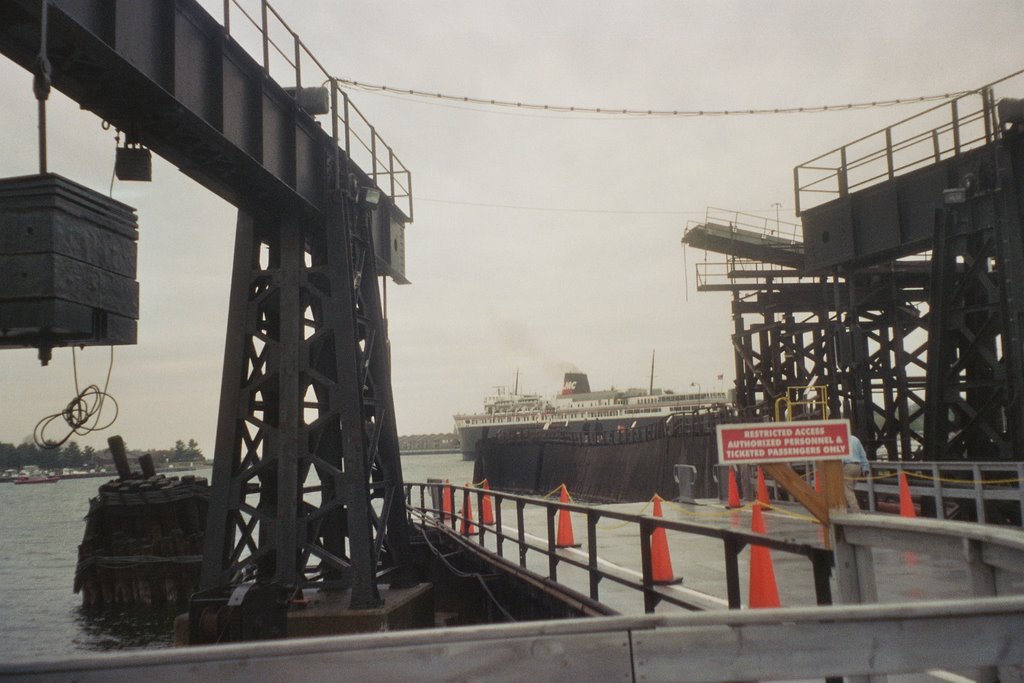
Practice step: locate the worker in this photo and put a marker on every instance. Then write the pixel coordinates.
(854, 465)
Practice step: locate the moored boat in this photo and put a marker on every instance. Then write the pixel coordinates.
(36, 480)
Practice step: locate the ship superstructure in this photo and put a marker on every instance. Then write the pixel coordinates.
(578, 408)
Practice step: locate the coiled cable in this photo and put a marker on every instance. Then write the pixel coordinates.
(82, 413)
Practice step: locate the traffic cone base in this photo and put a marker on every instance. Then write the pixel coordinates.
(763, 591)
(661, 561)
(565, 538)
(734, 491)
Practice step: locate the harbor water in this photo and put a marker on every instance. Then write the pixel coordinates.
(42, 527)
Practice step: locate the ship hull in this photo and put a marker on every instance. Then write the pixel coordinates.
(470, 435)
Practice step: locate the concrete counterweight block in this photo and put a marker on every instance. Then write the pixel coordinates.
(68, 260)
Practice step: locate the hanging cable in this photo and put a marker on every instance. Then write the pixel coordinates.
(558, 209)
(463, 574)
(41, 82)
(645, 113)
(82, 413)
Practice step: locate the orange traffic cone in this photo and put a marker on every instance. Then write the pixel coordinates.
(446, 503)
(762, 488)
(763, 590)
(734, 491)
(486, 511)
(661, 562)
(906, 502)
(565, 538)
(467, 514)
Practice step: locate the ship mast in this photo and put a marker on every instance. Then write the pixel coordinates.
(650, 389)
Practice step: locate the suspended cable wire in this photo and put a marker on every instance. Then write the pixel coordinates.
(644, 113)
(556, 209)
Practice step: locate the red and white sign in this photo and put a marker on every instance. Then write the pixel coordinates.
(763, 442)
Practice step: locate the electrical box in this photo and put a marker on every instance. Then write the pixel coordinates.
(68, 259)
(389, 244)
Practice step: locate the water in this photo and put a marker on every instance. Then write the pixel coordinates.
(42, 526)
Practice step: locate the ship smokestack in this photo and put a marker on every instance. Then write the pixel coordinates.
(575, 383)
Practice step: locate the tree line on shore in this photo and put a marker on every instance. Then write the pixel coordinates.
(73, 456)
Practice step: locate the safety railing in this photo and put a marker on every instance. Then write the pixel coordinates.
(764, 226)
(941, 132)
(260, 28)
(811, 401)
(986, 492)
(743, 274)
(424, 502)
(990, 491)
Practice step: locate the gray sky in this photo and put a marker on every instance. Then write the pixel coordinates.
(495, 290)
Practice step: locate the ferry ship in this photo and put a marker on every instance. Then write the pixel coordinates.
(577, 408)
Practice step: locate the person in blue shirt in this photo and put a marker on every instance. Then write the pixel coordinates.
(855, 465)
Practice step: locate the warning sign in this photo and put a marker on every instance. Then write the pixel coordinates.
(763, 442)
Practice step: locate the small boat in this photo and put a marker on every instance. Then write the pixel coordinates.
(36, 480)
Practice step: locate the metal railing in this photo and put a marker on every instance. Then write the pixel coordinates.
(991, 559)
(941, 489)
(744, 274)
(264, 29)
(430, 513)
(945, 484)
(726, 645)
(764, 226)
(938, 133)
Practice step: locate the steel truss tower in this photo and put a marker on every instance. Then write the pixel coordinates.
(306, 483)
(908, 298)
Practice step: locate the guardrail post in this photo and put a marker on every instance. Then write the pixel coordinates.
(499, 534)
(298, 60)
(733, 547)
(391, 171)
(408, 177)
(888, 152)
(979, 493)
(650, 599)
(844, 187)
(552, 557)
(266, 37)
(595, 578)
(855, 579)
(227, 17)
(334, 134)
(821, 561)
(940, 505)
(956, 128)
(522, 533)
(481, 528)
(1020, 488)
(373, 154)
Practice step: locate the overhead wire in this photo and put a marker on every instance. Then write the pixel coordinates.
(557, 209)
(630, 112)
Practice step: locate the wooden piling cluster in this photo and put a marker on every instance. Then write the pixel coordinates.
(143, 541)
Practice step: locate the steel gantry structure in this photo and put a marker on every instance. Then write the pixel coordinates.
(901, 292)
(306, 487)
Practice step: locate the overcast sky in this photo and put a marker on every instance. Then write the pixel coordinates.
(590, 274)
